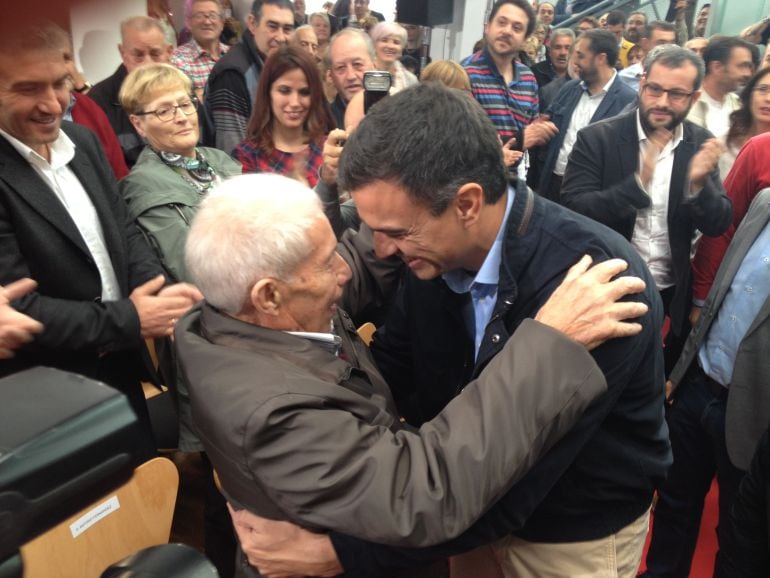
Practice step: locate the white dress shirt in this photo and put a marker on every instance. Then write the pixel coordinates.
(650, 237)
(66, 187)
(581, 117)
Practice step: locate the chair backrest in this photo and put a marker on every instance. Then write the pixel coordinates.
(135, 516)
(366, 332)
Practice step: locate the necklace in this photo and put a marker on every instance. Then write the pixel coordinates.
(197, 172)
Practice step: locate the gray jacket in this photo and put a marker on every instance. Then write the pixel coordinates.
(163, 204)
(297, 433)
(748, 404)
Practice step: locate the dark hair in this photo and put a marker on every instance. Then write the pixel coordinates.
(640, 14)
(616, 17)
(430, 140)
(657, 25)
(524, 5)
(603, 42)
(319, 120)
(673, 56)
(720, 49)
(256, 7)
(591, 20)
(741, 120)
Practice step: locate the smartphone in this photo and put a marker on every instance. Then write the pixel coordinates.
(518, 134)
(377, 83)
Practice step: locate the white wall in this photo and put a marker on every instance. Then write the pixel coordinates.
(96, 34)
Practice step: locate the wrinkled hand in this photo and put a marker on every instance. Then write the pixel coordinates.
(283, 550)
(159, 307)
(510, 156)
(539, 132)
(331, 155)
(585, 306)
(16, 329)
(704, 162)
(655, 144)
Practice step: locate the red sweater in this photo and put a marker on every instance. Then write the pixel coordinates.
(749, 175)
(87, 113)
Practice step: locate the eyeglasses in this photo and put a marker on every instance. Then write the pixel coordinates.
(762, 89)
(168, 113)
(674, 95)
(213, 16)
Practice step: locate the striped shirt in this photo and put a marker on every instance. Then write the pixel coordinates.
(510, 107)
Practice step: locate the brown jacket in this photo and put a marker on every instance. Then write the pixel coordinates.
(297, 433)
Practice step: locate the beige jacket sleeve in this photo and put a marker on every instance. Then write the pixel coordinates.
(328, 469)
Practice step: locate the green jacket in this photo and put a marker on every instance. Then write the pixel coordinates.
(163, 204)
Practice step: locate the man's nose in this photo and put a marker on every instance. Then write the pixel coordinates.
(384, 246)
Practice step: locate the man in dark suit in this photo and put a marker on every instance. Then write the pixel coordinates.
(100, 286)
(652, 176)
(599, 94)
(721, 402)
(141, 41)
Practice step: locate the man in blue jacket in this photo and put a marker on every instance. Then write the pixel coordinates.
(483, 256)
(599, 94)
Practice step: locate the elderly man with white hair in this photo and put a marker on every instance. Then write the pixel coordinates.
(294, 414)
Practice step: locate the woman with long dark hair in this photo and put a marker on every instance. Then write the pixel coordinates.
(290, 120)
(751, 119)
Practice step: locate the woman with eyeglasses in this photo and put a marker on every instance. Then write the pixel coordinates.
(290, 119)
(169, 180)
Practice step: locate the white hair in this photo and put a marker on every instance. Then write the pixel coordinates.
(251, 227)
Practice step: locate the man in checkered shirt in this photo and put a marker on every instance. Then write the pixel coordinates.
(197, 57)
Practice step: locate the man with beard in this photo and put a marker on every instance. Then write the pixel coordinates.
(599, 94)
(634, 26)
(505, 88)
(652, 176)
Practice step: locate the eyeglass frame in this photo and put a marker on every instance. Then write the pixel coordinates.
(174, 107)
(675, 95)
(212, 16)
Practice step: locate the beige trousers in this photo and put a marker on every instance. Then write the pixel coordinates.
(615, 556)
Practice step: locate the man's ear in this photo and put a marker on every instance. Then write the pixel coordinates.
(266, 297)
(469, 201)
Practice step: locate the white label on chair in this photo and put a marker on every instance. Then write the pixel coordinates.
(90, 518)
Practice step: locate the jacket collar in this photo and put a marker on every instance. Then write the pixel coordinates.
(227, 331)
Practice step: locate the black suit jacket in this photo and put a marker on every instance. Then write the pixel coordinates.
(39, 239)
(600, 183)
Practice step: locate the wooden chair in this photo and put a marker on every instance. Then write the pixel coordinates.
(366, 332)
(135, 516)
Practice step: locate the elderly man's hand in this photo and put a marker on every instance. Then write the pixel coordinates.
(331, 155)
(585, 306)
(283, 550)
(16, 329)
(159, 307)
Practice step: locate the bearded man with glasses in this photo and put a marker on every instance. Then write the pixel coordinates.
(652, 176)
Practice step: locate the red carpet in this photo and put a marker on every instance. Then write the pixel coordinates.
(703, 562)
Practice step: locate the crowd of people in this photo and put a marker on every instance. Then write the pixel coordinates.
(518, 408)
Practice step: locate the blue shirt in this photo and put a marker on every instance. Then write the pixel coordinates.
(483, 285)
(746, 296)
